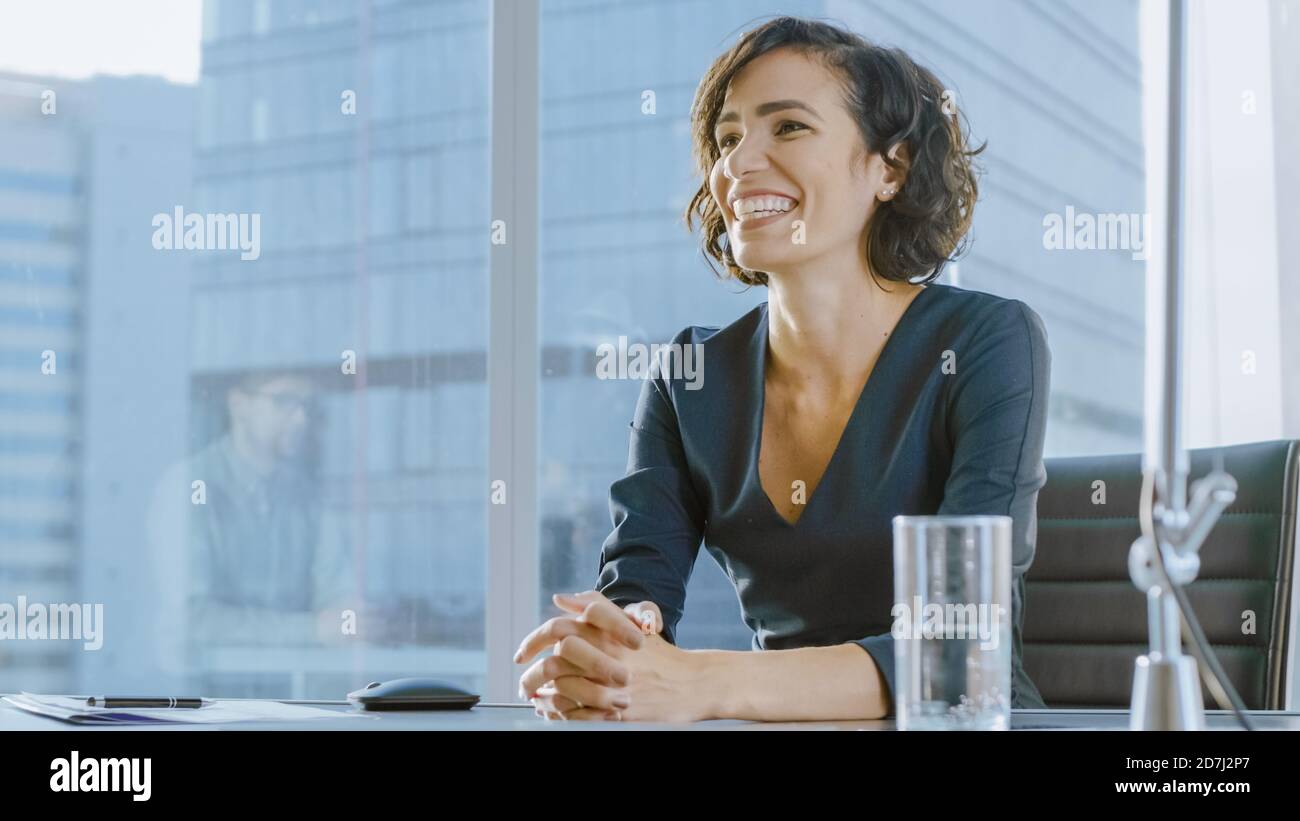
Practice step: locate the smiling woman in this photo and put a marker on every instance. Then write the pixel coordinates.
(905, 122)
(836, 175)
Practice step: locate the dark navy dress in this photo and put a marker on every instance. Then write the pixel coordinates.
(919, 441)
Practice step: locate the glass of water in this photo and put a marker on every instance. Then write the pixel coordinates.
(952, 622)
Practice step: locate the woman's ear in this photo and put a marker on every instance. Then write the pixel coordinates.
(893, 179)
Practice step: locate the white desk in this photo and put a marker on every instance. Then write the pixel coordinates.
(522, 717)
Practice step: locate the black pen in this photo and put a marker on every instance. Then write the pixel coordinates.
(131, 701)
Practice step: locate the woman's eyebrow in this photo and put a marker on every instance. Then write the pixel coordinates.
(769, 108)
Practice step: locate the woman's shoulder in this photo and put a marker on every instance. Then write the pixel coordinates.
(737, 334)
(973, 304)
(711, 365)
(979, 312)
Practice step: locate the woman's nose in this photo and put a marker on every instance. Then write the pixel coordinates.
(747, 156)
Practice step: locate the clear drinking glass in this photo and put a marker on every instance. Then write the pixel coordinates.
(952, 622)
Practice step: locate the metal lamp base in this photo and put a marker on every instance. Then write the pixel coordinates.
(1166, 694)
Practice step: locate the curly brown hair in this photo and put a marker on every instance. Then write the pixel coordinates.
(893, 100)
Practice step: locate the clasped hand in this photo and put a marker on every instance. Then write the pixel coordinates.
(609, 664)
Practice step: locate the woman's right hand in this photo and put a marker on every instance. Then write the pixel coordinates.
(589, 646)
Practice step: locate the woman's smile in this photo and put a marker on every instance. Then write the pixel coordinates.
(756, 208)
(758, 219)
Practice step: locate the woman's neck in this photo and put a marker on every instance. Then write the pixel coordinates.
(829, 327)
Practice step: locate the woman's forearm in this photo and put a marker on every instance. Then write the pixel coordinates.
(804, 684)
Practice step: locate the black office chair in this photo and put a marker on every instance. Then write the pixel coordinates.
(1085, 622)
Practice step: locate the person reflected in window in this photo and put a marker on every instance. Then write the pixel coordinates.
(837, 174)
(260, 566)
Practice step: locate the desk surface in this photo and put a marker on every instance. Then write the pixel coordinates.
(522, 717)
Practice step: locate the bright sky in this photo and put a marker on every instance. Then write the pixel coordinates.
(79, 38)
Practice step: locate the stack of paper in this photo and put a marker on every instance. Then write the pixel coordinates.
(71, 708)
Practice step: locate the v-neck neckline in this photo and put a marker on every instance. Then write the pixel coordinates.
(756, 474)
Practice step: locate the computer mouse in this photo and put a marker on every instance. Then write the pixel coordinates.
(412, 694)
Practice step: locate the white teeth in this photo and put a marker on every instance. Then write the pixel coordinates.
(761, 206)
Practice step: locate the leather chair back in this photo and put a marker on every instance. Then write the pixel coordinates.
(1085, 622)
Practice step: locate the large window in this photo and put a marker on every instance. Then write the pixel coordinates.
(267, 464)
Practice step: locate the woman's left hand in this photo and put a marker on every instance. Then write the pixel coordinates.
(665, 682)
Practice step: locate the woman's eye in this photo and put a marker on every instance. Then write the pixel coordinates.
(786, 127)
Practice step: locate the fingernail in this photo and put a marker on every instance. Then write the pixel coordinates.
(518, 655)
(621, 702)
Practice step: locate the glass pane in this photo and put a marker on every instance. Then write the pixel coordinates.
(1054, 89)
(1241, 282)
(242, 340)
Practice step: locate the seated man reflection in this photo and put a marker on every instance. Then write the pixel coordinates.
(262, 568)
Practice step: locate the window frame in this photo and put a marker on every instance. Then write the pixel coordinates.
(514, 348)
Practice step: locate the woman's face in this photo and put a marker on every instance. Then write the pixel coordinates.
(793, 179)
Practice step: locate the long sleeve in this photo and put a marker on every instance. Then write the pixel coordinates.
(997, 419)
(657, 516)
